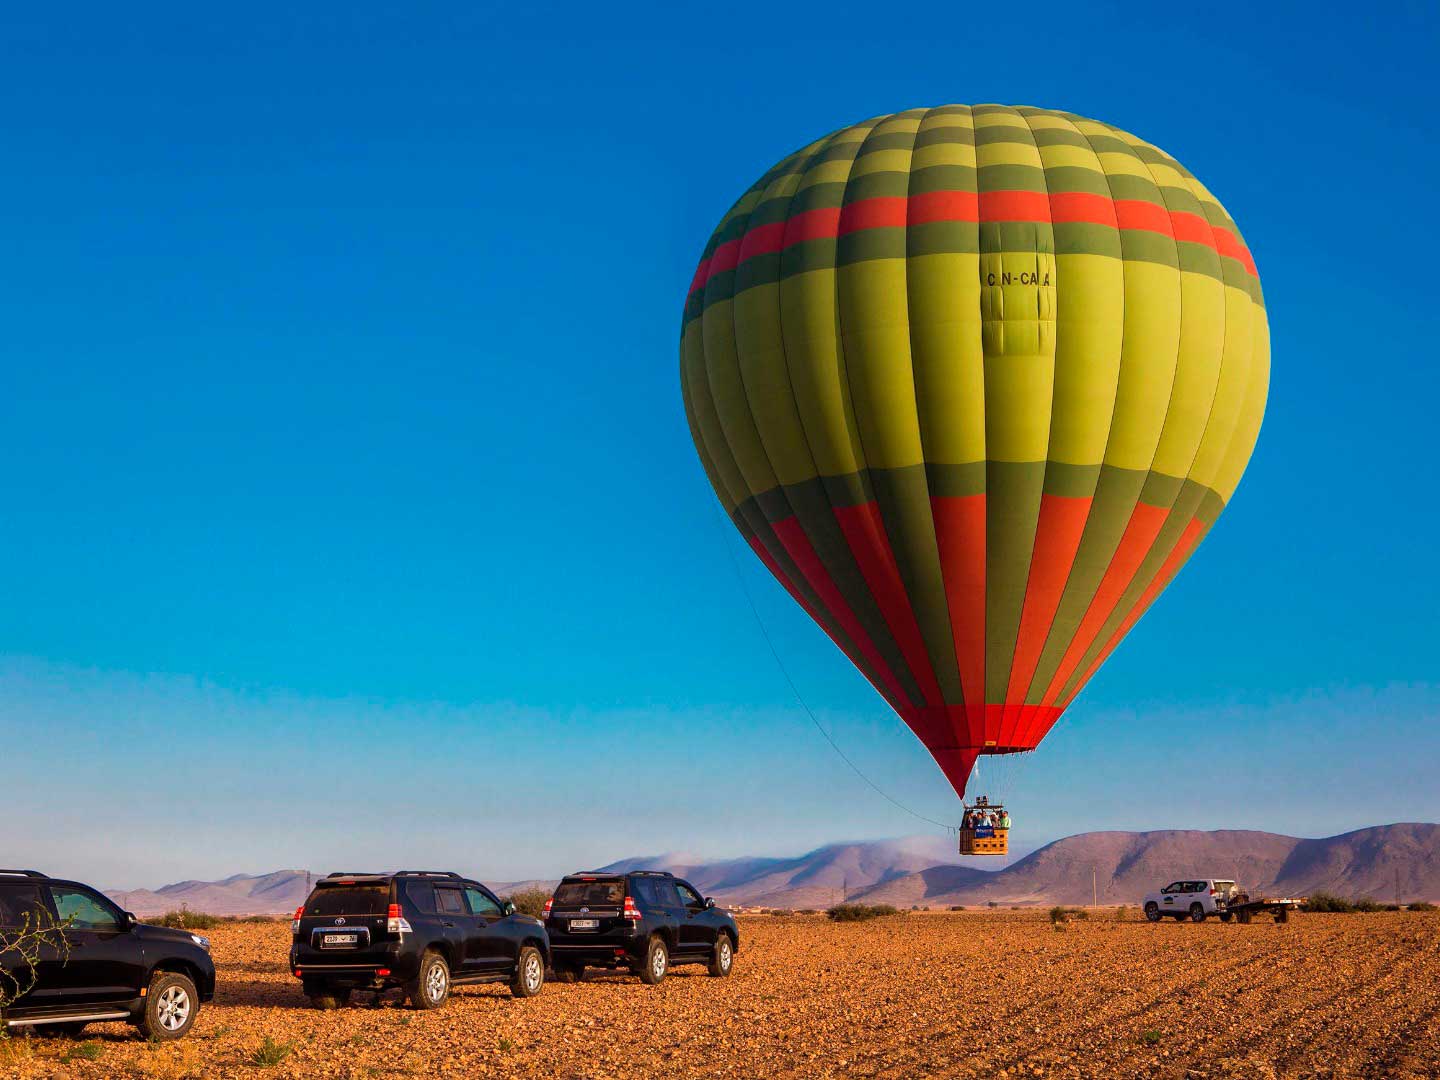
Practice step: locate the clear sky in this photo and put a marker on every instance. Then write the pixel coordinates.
(350, 515)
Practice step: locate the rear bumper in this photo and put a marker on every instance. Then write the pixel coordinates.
(355, 969)
(614, 952)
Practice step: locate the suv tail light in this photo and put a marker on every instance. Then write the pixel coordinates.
(295, 922)
(548, 905)
(395, 923)
(1214, 892)
(631, 911)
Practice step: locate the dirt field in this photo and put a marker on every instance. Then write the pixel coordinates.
(966, 995)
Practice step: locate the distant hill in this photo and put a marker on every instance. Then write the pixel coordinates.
(926, 871)
(1126, 865)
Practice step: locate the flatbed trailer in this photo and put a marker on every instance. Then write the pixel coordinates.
(1244, 908)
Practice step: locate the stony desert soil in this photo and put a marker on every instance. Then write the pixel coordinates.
(965, 995)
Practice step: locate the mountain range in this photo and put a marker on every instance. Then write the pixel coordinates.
(1380, 862)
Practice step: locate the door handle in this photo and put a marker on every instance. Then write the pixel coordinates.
(447, 924)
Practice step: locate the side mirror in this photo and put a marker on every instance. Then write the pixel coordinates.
(509, 908)
(129, 920)
(709, 901)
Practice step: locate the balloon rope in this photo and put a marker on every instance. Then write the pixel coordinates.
(755, 611)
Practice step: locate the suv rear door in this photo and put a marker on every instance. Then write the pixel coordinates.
(345, 919)
(23, 907)
(586, 898)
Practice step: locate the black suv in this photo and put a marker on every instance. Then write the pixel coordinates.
(422, 930)
(645, 920)
(94, 962)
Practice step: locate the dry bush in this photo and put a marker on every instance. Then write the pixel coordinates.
(530, 902)
(22, 946)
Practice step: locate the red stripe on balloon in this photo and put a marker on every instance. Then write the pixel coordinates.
(1139, 535)
(797, 545)
(865, 533)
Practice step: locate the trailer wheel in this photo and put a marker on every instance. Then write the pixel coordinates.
(1197, 913)
(1226, 916)
(1243, 917)
(1282, 914)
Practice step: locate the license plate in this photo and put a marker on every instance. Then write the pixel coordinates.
(340, 939)
(584, 924)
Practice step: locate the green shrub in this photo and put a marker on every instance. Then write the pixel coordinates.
(86, 1051)
(807, 911)
(185, 919)
(860, 912)
(270, 1053)
(1329, 902)
(530, 902)
(1423, 905)
(957, 907)
(781, 911)
(253, 918)
(1060, 914)
(1150, 1038)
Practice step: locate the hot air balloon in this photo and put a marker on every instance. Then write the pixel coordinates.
(973, 383)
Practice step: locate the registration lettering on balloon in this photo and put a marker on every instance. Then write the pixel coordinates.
(973, 382)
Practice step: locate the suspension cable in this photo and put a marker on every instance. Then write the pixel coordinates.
(755, 611)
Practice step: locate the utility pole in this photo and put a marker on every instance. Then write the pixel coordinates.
(1397, 886)
(1094, 889)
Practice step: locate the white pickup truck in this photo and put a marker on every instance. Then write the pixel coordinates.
(1198, 900)
(1192, 899)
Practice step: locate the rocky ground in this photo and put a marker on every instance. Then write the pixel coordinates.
(966, 995)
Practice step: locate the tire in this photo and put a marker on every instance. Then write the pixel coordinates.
(1283, 915)
(430, 988)
(1152, 911)
(722, 960)
(567, 973)
(1226, 916)
(529, 977)
(170, 1007)
(656, 962)
(327, 998)
(1197, 913)
(1243, 918)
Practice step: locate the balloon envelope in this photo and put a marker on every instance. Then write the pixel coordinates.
(973, 383)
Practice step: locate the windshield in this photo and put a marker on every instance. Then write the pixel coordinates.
(590, 893)
(348, 900)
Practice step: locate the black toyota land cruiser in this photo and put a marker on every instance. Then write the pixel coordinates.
(74, 958)
(422, 930)
(645, 920)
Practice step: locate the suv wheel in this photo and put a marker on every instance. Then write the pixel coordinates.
(170, 1007)
(1197, 913)
(1152, 911)
(656, 962)
(722, 960)
(568, 973)
(529, 973)
(431, 987)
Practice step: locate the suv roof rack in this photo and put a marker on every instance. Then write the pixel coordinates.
(427, 873)
(24, 873)
(350, 874)
(651, 873)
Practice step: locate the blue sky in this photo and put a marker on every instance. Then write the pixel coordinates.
(350, 500)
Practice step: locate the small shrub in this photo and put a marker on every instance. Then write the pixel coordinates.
(1366, 905)
(506, 1045)
(1150, 1038)
(530, 902)
(1423, 905)
(185, 919)
(252, 918)
(781, 911)
(957, 907)
(270, 1053)
(806, 911)
(1329, 902)
(1059, 914)
(860, 912)
(1393, 907)
(86, 1051)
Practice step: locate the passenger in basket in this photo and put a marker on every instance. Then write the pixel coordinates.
(1004, 819)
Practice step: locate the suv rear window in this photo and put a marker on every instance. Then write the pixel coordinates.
(19, 903)
(348, 900)
(590, 893)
